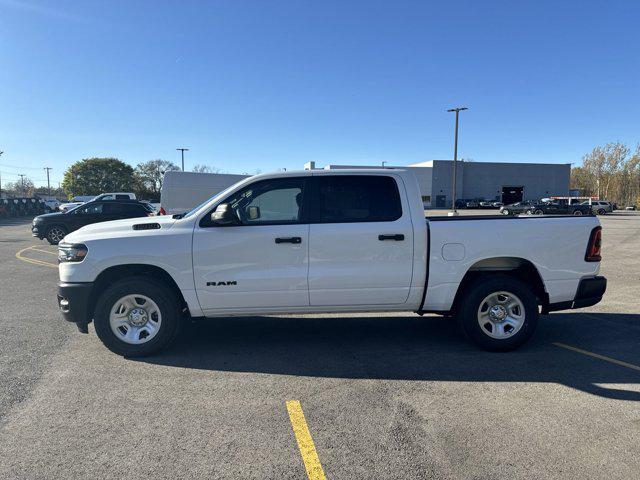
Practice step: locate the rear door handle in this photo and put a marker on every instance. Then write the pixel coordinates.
(289, 240)
(398, 237)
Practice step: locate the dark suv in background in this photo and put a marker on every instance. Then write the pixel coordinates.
(54, 226)
(560, 207)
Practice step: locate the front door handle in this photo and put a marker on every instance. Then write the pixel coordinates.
(398, 237)
(289, 240)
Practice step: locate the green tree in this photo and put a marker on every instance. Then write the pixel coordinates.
(149, 177)
(93, 176)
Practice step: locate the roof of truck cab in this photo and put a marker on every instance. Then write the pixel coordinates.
(342, 171)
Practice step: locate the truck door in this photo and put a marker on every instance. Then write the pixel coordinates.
(361, 241)
(262, 261)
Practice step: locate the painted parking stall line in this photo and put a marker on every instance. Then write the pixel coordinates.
(598, 356)
(34, 261)
(305, 442)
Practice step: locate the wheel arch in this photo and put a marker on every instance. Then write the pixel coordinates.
(120, 272)
(517, 267)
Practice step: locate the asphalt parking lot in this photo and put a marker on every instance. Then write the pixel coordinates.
(380, 396)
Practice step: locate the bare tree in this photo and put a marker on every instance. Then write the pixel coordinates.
(206, 169)
(610, 172)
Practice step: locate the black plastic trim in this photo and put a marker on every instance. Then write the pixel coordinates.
(421, 310)
(590, 291)
(77, 295)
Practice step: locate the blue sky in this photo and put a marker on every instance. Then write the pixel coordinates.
(250, 85)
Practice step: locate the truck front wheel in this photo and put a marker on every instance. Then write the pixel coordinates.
(498, 312)
(137, 316)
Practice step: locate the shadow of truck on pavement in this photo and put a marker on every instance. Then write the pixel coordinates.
(413, 348)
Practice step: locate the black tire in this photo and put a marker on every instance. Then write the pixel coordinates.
(539, 212)
(601, 211)
(53, 234)
(506, 212)
(472, 300)
(166, 299)
(577, 213)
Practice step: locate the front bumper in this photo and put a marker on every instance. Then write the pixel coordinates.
(74, 300)
(37, 231)
(590, 291)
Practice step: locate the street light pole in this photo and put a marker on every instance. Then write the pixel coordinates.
(455, 158)
(182, 150)
(1, 152)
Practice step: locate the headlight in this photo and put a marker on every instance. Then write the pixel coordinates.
(71, 252)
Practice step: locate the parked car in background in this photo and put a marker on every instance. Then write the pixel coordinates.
(473, 204)
(75, 201)
(599, 207)
(486, 204)
(630, 207)
(559, 207)
(116, 196)
(498, 204)
(52, 204)
(54, 226)
(517, 208)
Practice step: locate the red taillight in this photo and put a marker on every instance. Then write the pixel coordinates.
(162, 211)
(594, 246)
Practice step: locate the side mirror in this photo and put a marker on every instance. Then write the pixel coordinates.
(253, 212)
(224, 215)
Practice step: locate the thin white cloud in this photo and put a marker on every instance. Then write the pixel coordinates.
(38, 9)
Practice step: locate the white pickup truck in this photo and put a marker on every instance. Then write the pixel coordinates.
(325, 241)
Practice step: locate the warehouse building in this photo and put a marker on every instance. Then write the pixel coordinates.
(505, 182)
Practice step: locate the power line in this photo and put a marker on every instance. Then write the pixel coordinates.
(19, 167)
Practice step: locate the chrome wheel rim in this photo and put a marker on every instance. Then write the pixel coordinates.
(501, 315)
(577, 213)
(135, 319)
(56, 234)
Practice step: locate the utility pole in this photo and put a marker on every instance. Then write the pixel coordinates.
(455, 160)
(1, 152)
(22, 181)
(182, 150)
(48, 183)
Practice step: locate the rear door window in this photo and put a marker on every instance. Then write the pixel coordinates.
(356, 198)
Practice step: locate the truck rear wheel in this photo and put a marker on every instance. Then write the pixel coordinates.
(137, 316)
(498, 312)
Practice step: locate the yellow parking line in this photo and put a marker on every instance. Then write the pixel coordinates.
(598, 356)
(43, 251)
(305, 442)
(33, 260)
